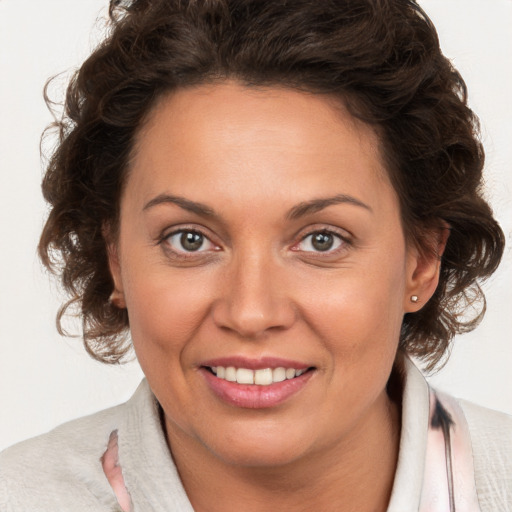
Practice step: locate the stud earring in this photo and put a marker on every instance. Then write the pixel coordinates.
(414, 298)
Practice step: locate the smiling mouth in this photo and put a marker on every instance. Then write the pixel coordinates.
(260, 377)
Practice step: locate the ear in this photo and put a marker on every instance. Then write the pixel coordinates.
(423, 267)
(117, 296)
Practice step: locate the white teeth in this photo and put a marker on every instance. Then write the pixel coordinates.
(230, 374)
(290, 373)
(244, 376)
(279, 374)
(262, 377)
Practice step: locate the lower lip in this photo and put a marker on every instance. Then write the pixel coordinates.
(252, 396)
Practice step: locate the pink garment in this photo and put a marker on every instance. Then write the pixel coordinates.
(449, 478)
(114, 474)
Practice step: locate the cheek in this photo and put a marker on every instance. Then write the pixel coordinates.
(165, 309)
(360, 310)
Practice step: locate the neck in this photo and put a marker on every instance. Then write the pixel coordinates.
(357, 474)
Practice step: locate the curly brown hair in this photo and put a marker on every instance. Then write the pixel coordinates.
(381, 58)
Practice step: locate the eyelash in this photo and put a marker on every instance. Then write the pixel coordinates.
(183, 254)
(344, 242)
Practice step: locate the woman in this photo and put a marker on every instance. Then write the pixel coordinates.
(282, 202)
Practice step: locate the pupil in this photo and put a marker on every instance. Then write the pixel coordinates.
(322, 241)
(191, 241)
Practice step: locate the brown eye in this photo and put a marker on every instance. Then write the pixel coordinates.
(189, 241)
(320, 241)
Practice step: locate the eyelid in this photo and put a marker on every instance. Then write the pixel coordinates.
(345, 237)
(170, 232)
(179, 228)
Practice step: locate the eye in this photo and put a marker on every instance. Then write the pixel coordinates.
(320, 241)
(189, 241)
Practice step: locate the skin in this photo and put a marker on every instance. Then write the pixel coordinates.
(258, 287)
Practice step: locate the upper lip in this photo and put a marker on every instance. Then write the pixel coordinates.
(255, 364)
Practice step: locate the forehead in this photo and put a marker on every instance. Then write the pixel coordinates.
(237, 142)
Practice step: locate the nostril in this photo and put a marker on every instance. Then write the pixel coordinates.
(251, 319)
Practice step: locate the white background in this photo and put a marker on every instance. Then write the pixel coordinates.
(45, 379)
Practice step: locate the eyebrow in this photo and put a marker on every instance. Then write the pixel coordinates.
(315, 205)
(186, 204)
(300, 210)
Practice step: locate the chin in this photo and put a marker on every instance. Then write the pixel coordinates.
(269, 455)
(259, 446)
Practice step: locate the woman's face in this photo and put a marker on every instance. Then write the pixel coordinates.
(260, 232)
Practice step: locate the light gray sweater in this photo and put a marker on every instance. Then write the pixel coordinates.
(62, 471)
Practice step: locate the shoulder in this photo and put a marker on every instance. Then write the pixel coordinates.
(61, 468)
(491, 440)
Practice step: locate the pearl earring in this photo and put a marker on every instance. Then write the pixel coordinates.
(414, 298)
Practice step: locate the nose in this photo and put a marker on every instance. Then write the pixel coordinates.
(254, 298)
